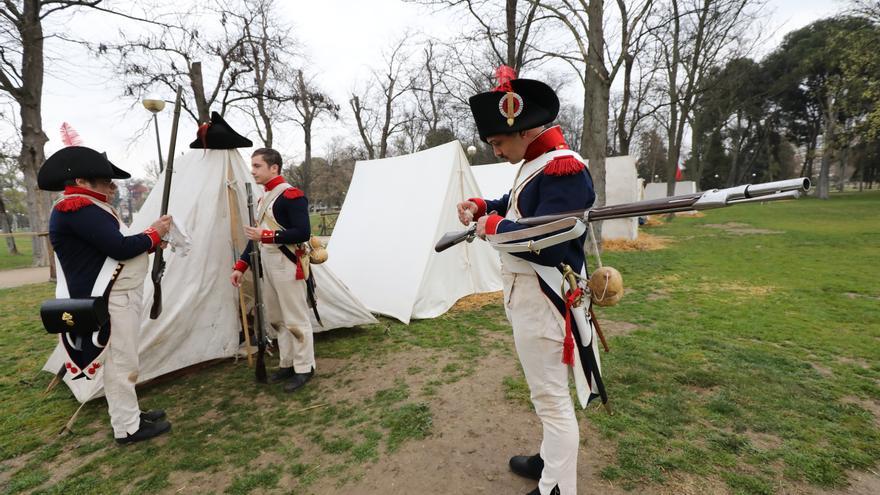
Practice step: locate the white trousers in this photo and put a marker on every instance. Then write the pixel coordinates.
(287, 308)
(538, 332)
(121, 363)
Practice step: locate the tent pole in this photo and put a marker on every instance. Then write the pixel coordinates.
(235, 226)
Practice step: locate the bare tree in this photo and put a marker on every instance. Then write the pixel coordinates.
(172, 54)
(21, 77)
(269, 53)
(583, 19)
(699, 35)
(310, 104)
(508, 42)
(10, 181)
(376, 109)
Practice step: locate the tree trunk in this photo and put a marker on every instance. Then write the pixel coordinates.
(357, 109)
(594, 140)
(267, 121)
(33, 139)
(198, 86)
(389, 109)
(696, 163)
(844, 156)
(307, 164)
(510, 12)
(623, 136)
(6, 226)
(827, 140)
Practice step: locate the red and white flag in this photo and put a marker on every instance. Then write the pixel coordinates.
(679, 172)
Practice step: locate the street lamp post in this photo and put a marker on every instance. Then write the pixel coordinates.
(155, 105)
(130, 213)
(471, 151)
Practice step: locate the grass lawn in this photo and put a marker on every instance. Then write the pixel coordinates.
(751, 359)
(317, 221)
(22, 260)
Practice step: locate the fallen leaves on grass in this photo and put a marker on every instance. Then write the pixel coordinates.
(645, 242)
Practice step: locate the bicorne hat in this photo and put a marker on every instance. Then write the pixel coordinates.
(75, 162)
(218, 135)
(514, 105)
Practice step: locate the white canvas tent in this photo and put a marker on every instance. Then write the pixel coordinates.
(383, 242)
(657, 190)
(200, 318)
(495, 179)
(621, 186)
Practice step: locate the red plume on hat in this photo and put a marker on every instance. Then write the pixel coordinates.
(504, 74)
(511, 104)
(69, 136)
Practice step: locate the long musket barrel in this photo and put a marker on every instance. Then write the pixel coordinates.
(158, 259)
(706, 200)
(259, 316)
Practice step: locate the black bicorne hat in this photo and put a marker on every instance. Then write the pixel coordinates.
(514, 105)
(75, 162)
(218, 135)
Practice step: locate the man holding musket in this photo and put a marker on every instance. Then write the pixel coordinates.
(551, 179)
(283, 219)
(97, 259)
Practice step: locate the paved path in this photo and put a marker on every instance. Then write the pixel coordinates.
(23, 276)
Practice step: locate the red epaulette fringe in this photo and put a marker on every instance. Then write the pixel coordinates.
(72, 204)
(563, 165)
(293, 193)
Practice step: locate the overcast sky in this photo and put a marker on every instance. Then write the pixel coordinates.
(342, 39)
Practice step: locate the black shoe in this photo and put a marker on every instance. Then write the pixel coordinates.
(153, 415)
(554, 491)
(298, 380)
(282, 374)
(146, 431)
(529, 467)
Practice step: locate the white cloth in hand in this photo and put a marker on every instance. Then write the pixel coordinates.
(178, 239)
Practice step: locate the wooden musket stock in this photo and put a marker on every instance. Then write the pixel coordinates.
(158, 258)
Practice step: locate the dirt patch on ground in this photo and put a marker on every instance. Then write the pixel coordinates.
(688, 484)
(860, 483)
(477, 301)
(189, 482)
(748, 290)
(645, 242)
(655, 220)
(611, 328)
(763, 441)
(869, 405)
(475, 431)
(737, 228)
(822, 370)
(861, 363)
(854, 295)
(657, 295)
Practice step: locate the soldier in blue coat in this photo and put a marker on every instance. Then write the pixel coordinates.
(283, 219)
(552, 179)
(89, 240)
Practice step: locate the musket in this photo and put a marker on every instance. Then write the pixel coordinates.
(259, 315)
(706, 200)
(158, 258)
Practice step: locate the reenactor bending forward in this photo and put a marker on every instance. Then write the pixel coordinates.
(552, 179)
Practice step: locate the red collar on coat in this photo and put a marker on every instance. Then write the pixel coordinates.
(274, 182)
(87, 192)
(549, 140)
